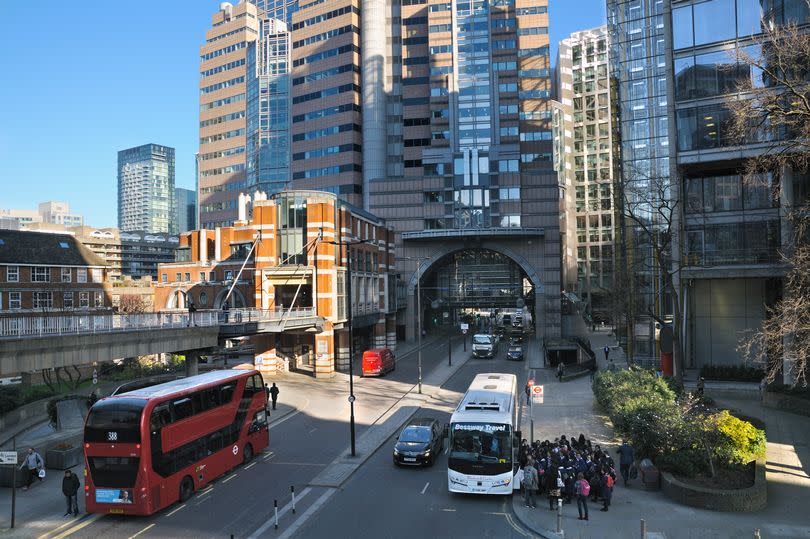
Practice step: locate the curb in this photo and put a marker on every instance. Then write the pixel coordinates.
(539, 532)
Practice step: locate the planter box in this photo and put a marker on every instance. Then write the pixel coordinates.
(6, 474)
(63, 459)
(742, 500)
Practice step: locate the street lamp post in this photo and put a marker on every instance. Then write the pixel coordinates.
(419, 321)
(349, 245)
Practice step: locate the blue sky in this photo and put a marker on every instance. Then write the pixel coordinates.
(84, 80)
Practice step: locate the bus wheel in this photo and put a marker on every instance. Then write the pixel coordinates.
(186, 488)
(247, 453)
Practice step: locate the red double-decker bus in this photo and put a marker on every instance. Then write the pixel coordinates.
(151, 447)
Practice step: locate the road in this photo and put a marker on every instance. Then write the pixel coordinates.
(302, 444)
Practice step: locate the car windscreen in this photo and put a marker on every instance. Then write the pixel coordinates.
(115, 420)
(482, 339)
(415, 434)
(515, 349)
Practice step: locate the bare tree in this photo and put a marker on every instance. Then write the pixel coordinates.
(773, 108)
(132, 304)
(648, 202)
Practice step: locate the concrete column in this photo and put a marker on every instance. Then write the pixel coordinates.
(324, 355)
(410, 318)
(379, 334)
(391, 332)
(373, 50)
(192, 363)
(266, 361)
(341, 340)
(203, 246)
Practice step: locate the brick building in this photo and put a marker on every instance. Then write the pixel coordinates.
(43, 273)
(285, 249)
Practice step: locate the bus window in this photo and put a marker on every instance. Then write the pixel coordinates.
(250, 386)
(211, 398)
(226, 393)
(182, 408)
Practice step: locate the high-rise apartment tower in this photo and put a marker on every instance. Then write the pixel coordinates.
(146, 189)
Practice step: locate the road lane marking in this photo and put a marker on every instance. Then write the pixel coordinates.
(251, 465)
(282, 511)
(77, 527)
(449, 510)
(206, 491)
(140, 532)
(447, 449)
(71, 522)
(229, 478)
(175, 510)
(269, 456)
(283, 419)
(426, 487)
(308, 513)
(313, 430)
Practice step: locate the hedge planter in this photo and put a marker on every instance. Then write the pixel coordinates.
(7, 473)
(742, 500)
(787, 403)
(63, 459)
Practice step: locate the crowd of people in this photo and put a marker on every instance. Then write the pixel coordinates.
(571, 469)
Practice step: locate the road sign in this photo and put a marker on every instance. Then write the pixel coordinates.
(537, 394)
(465, 326)
(8, 457)
(463, 331)
(95, 376)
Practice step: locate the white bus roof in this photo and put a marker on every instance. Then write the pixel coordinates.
(489, 399)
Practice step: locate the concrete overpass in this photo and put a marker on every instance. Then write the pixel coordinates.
(45, 342)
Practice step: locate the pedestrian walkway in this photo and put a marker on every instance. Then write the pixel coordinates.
(569, 409)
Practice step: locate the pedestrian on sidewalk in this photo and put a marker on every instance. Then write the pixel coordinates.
(33, 461)
(607, 489)
(70, 488)
(583, 488)
(191, 310)
(594, 368)
(700, 385)
(530, 484)
(273, 394)
(553, 485)
(560, 370)
(626, 458)
(607, 353)
(528, 393)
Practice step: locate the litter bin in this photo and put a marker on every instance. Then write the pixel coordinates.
(650, 477)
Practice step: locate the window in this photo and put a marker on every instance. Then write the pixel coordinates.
(84, 300)
(178, 277)
(510, 221)
(508, 165)
(66, 277)
(98, 275)
(203, 299)
(164, 278)
(509, 193)
(212, 276)
(81, 275)
(202, 276)
(229, 275)
(14, 300)
(40, 275)
(99, 299)
(67, 300)
(13, 274)
(43, 300)
(187, 276)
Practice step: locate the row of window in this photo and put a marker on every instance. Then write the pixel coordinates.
(326, 73)
(326, 92)
(221, 85)
(226, 118)
(320, 152)
(325, 17)
(39, 274)
(326, 171)
(221, 68)
(322, 113)
(203, 276)
(326, 35)
(45, 300)
(224, 153)
(220, 102)
(223, 170)
(222, 136)
(224, 50)
(323, 55)
(326, 131)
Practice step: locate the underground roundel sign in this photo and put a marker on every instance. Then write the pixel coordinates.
(235, 449)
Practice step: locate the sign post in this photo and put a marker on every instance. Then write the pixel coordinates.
(10, 458)
(537, 394)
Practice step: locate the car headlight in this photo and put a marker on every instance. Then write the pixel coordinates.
(395, 451)
(427, 453)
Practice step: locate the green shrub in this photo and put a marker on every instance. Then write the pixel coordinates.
(687, 462)
(736, 373)
(35, 393)
(9, 398)
(741, 441)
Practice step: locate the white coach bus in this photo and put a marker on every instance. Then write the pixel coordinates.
(482, 449)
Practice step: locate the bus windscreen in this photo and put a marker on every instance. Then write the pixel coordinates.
(115, 420)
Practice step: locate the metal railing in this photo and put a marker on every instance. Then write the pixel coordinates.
(42, 326)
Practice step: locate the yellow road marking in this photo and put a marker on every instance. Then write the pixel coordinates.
(77, 527)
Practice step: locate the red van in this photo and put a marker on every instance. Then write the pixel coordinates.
(378, 362)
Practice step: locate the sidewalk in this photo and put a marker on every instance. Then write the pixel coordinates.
(569, 409)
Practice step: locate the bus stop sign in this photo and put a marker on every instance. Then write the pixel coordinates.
(537, 394)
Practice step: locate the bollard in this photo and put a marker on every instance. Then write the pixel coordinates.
(643, 529)
(275, 505)
(559, 515)
(292, 489)
(449, 352)
(756, 533)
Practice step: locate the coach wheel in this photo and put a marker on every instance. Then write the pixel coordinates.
(186, 488)
(248, 453)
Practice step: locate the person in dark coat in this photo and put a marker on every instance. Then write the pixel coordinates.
(70, 488)
(274, 394)
(626, 458)
(606, 487)
(552, 487)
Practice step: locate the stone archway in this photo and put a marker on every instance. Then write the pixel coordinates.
(177, 299)
(436, 255)
(235, 301)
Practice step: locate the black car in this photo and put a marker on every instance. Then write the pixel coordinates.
(516, 340)
(419, 443)
(515, 352)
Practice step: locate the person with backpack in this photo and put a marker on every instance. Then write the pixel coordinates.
(36, 467)
(530, 483)
(607, 490)
(583, 489)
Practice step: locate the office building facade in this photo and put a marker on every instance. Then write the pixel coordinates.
(586, 164)
(146, 189)
(223, 107)
(50, 212)
(185, 210)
